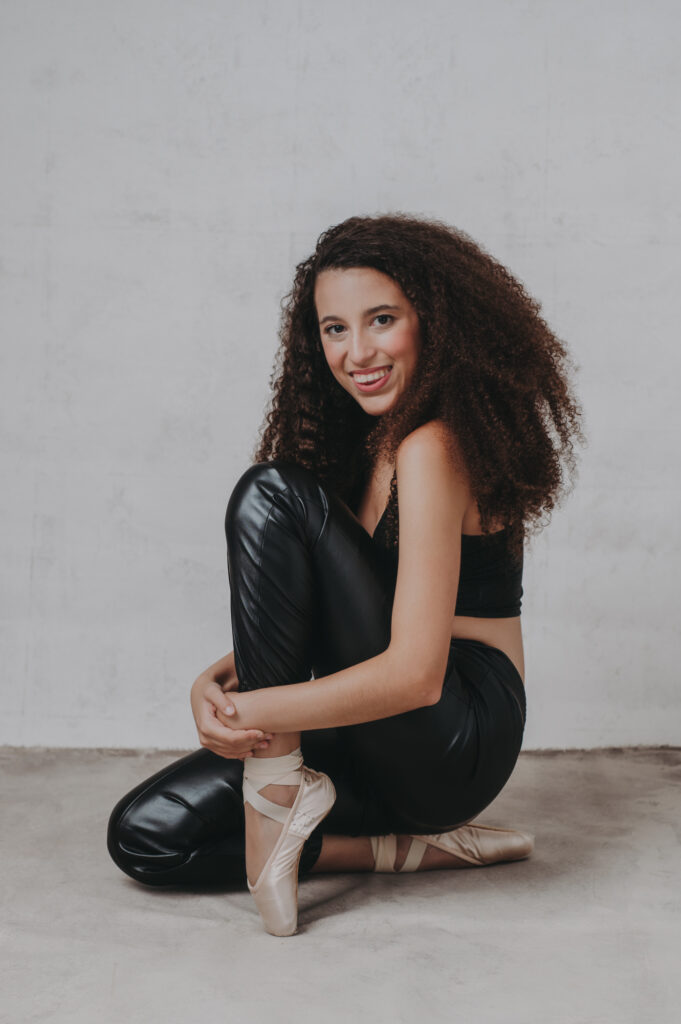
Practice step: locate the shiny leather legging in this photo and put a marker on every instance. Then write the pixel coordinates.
(311, 594)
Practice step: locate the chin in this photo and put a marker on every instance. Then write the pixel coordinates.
(379, 412)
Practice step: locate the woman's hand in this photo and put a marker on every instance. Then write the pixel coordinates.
(208, 701)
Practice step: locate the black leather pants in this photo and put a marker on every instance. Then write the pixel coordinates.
(311, 594)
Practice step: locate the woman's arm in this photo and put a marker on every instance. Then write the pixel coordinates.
(433, 494)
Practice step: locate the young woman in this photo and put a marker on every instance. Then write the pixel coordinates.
(421, 419)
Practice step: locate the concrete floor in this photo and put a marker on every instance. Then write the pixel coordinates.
(588, 930)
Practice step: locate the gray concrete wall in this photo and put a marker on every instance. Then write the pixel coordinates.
(165, 165)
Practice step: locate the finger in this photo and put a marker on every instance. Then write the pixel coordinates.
(245, 735)
(222, 704)
(225, 712)
(211, 724)
(214, 694)
(217, 699)
(230, 739)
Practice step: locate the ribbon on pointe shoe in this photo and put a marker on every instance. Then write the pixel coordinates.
(384, 849)
(286, 770)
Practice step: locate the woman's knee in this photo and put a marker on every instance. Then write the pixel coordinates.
(151, 836)
(138, 850)
(156, 829)
(280, 481)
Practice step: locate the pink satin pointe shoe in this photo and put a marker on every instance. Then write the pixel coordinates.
(476, 844)
(276, 889)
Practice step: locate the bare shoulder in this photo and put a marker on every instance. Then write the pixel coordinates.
(432, 447)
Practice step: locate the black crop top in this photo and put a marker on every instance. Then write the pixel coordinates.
(490, 583)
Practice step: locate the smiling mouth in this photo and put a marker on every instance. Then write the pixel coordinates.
(375, 380)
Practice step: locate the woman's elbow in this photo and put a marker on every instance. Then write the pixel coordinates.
(422, 690)
(423, 694)
(422, 687)
(432, 691)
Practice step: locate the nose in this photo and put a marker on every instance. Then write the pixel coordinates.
(360, 346)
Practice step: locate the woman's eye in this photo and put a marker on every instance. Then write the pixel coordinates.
(385, 317)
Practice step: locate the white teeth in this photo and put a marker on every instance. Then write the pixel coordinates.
(366, 378)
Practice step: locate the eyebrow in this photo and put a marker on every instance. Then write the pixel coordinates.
(367, 312)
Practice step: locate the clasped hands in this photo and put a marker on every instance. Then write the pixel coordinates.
(214, 712)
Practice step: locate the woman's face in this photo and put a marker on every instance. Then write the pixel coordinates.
(367, 325)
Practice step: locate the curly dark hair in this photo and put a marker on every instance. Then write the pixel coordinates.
(489, 367)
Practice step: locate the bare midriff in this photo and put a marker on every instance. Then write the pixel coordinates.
(506, 634)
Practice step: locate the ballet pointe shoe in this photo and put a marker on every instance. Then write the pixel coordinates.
(276, 889)
(479, 845)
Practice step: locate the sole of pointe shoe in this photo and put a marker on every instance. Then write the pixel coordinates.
(290, 927)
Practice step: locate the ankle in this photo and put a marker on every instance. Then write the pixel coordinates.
(403, 844)
(344, 853)
(280, 744)
(280, 775)
(284, 795)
